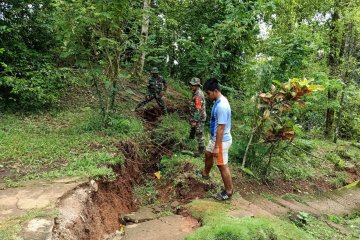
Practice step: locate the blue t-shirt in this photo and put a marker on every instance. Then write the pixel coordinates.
(221, 114)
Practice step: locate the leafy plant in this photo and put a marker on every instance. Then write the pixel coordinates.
(146, 193)
(302, 218)
(275, 124)
(173, 132)
(98, 40)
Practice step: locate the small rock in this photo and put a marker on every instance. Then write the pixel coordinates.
(175, 204)
(142, 215)
(156, 209)
(94, 186)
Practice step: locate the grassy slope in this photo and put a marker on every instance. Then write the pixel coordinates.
(71, 143)
(68, 143)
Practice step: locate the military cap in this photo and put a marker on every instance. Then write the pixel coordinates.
(195, 82)
(154, 70)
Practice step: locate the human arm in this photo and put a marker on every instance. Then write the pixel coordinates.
(164, 84)
(219, 137)
(221, 115)
(196, 110)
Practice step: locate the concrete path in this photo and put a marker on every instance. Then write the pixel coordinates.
(43, 195)
(15, 202)
(337, 202)
(173, 227)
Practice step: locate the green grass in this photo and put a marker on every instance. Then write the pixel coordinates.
(69, 143)
(219, 226)
(319, 229)
(174, 132)
(146, 194)
(325, 156)
(180, 87)
(171, 166)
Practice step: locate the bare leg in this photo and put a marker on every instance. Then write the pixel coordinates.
(209, 162)
(226, 177)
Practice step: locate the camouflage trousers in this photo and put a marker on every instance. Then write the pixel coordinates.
(198, 134)
(158, 99)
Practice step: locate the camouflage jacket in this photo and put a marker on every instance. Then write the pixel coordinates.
(156, 85)
(198, 107)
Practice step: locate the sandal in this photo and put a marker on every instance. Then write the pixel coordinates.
(222, 196)
(200, 174)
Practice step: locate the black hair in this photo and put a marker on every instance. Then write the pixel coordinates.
(211, 85)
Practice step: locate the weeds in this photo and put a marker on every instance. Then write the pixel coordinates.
(146, 193)
(339, 179)
(173, 132)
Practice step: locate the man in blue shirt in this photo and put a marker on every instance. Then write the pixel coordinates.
(220, 137)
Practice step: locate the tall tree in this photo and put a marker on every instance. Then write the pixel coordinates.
(28, 77)
(96, 37)
(334, 62)
(205, 38)
(139, 66)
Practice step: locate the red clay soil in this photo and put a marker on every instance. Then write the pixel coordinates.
(99, 211)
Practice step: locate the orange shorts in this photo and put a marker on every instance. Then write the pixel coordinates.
(223, 151)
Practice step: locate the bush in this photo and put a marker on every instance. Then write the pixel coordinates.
(333, 157)
(32, 88)
(173, 132)
(118, 125)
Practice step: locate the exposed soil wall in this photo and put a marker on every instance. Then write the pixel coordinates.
(92, 210)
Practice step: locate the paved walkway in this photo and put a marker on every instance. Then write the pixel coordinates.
(15, 202)
(43, 195)
(337, 202)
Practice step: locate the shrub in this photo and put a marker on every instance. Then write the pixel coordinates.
(118, 125)
(33, 88)
(173, 132)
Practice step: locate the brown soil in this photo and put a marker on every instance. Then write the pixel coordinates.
(99, 210)
(5, 172)
(279, 186)
(190, 189)
(352, 175)
(184, 189)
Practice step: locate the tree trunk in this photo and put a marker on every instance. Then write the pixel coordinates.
(138, 69)
(271, 149)
(333, 61)
(330, 114)
(338, 125)
(349, 46)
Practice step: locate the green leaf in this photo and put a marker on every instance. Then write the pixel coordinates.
(248, 171)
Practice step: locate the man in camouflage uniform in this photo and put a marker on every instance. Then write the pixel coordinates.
(156, 88)
(198, 115)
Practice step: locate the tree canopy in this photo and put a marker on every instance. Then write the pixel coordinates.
(245, 44)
